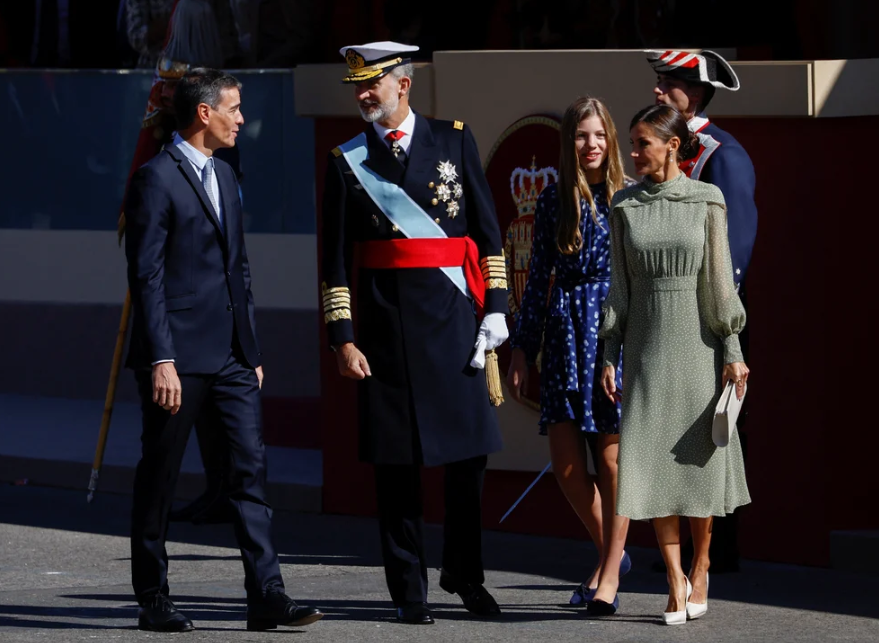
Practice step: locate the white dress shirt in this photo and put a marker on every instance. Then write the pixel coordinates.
(407, 127)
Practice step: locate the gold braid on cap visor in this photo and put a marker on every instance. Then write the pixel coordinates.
(358, 74)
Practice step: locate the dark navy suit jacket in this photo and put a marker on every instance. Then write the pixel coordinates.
(188, 276)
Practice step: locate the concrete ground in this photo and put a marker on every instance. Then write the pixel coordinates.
(64, 576)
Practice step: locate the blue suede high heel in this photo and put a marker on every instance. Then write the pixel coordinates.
(625, 564)
(582, 595)
(600, 608)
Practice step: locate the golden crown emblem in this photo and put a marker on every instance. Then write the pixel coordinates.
(526, 185)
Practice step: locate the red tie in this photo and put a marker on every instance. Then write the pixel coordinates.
(395, 135)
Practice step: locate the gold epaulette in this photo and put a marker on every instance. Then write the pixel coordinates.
(336, 303)
(337, 152)
(458, 125)
(494, 271)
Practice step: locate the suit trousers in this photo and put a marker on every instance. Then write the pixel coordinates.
(232, 397)
(401, 526)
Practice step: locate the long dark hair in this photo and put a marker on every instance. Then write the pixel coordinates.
(666, 123)
(572, 183)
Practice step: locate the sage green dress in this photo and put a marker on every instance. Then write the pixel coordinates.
(674, 309)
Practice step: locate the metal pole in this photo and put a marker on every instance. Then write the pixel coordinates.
(530, 487)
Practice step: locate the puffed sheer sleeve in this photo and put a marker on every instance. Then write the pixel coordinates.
(718, 301)
(616, 306)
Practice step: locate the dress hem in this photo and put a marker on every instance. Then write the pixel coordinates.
(684, 514)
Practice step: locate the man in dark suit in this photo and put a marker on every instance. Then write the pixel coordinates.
(687, 82)
(193, 348)
(409, 199)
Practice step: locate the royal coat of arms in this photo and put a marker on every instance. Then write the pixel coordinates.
(520, 165)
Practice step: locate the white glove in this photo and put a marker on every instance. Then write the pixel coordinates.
(492, 333)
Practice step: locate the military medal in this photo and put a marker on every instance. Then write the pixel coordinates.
(449, 190)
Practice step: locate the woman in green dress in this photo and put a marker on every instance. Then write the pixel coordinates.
(674, 309)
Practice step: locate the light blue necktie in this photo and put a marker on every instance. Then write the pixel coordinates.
(207, 174)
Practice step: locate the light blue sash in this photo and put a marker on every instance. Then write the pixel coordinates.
(396, 205)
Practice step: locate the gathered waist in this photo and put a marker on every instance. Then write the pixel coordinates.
(665, 284)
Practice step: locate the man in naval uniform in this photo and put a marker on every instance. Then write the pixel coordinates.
(408, 215)
(687, 82)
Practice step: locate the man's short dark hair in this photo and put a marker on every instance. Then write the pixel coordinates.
(200, 85)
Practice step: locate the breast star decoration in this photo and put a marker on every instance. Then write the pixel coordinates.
(449, 191)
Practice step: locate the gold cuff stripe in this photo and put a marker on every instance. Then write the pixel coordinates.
(494, 272)
(496, 283)
(336, 303)
(337, 315)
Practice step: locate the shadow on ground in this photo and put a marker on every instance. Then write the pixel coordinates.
(313, 539)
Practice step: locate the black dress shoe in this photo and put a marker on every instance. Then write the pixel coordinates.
(158, 614)
(279, 609)
(415, 614)
(476, 598)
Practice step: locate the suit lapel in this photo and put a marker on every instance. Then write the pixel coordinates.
(381, 160)
(186, 167)
(422, 156)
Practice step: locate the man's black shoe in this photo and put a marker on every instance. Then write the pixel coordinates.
(279, 609)
(476, 598)
(158, 614)
(415, 614)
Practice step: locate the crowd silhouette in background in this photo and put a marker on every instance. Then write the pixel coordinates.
(109, 34)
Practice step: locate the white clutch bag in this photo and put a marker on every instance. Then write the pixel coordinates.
(726, 414)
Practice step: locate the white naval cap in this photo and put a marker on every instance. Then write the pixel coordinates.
(374, 59)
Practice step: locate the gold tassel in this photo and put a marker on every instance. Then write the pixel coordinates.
(493, 379)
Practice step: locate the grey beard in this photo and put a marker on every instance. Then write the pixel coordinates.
(373, 116)
(382, 113)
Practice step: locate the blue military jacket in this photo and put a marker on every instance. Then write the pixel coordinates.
(723, 162)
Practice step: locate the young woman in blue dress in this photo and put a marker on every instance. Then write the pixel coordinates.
(571, 237)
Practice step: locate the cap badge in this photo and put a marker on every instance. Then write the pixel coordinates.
(354, 60)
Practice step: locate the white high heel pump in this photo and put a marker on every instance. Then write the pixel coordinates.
(680, 617)
(698, 610)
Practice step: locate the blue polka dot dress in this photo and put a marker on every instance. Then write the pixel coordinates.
(571, 363)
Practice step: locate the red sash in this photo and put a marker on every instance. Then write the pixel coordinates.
(427, 253)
